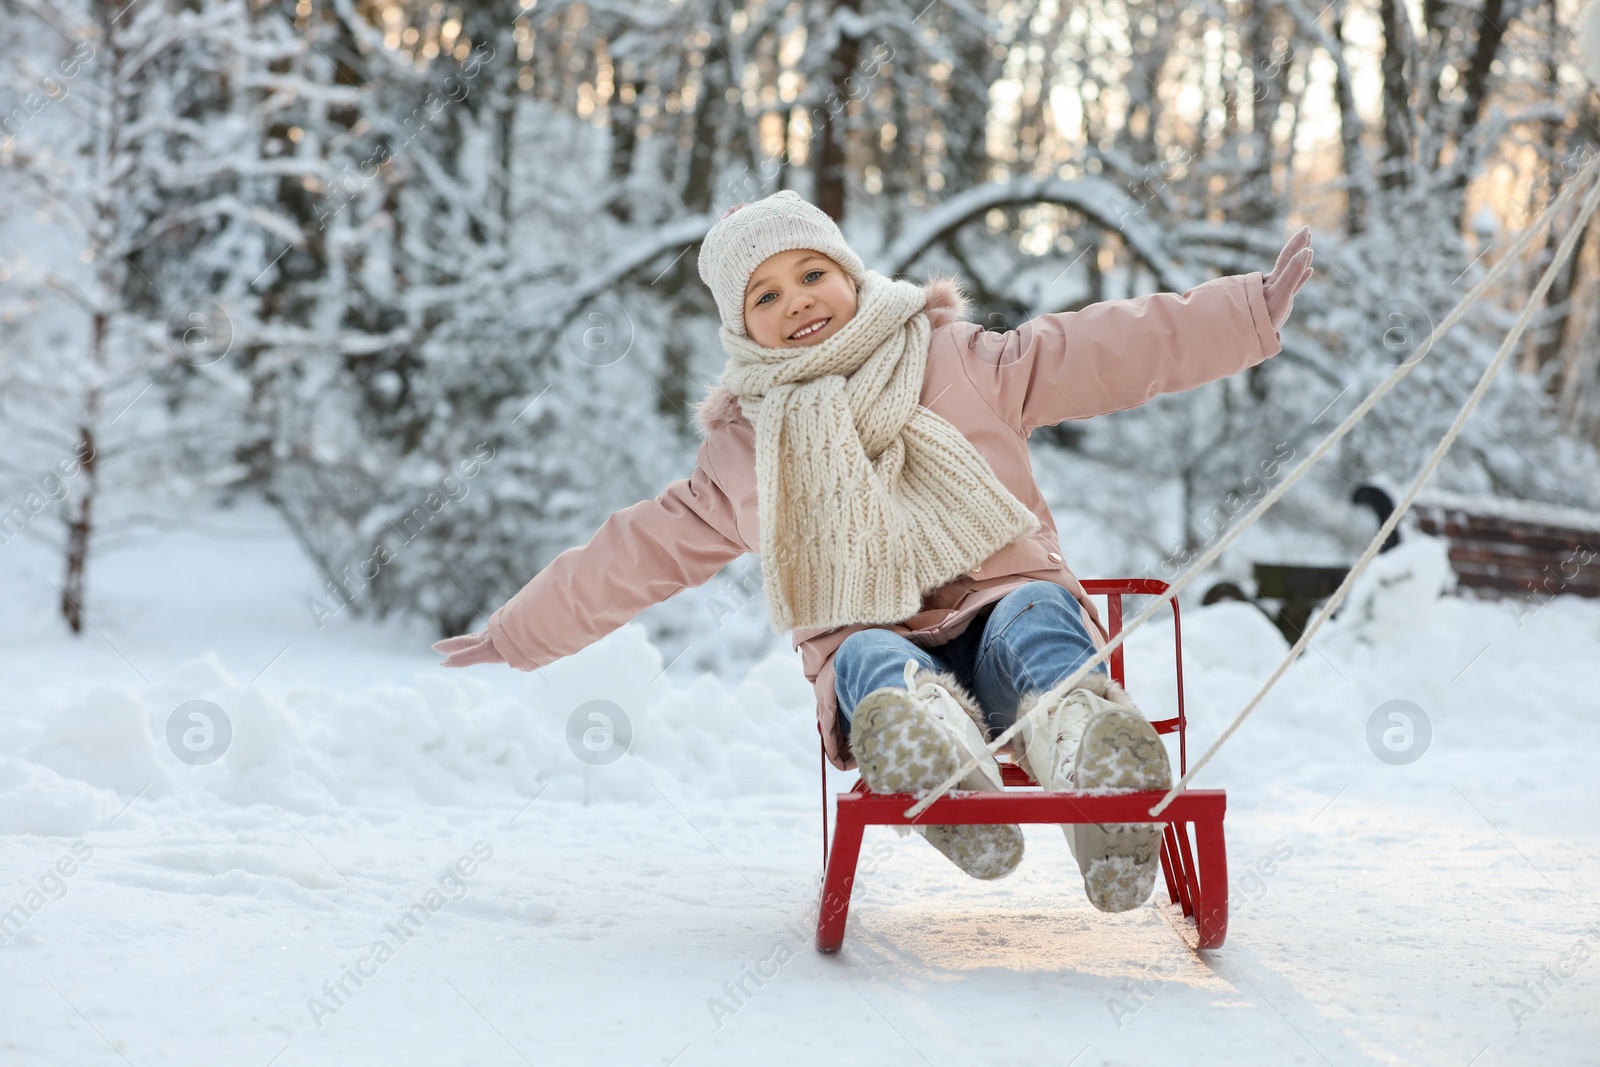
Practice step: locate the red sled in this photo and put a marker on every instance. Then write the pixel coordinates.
(1193, 857)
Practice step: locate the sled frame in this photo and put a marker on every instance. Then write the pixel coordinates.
(1193, 851)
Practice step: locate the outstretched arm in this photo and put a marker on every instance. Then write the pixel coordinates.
(640, 556)
(1118, 354)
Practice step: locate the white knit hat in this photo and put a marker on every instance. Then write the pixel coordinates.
(747, 234)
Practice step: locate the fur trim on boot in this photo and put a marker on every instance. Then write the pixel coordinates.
(1097, 682)
(968, 702)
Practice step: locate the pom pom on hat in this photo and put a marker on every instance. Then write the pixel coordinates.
(748, 234)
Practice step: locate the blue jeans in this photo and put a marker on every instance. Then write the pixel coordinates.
(1026, 641)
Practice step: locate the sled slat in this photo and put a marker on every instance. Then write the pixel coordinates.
(1177, 878)
(1191, 871)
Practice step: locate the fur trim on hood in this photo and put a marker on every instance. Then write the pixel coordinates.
(946, 303)
(718, 408)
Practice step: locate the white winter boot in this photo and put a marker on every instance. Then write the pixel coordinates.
(911, 739)
(1093, 739)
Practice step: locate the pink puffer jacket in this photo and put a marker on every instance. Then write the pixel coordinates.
(994, 387)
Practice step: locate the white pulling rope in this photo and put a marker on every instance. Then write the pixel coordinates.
(1568, 243)
(1249, 519)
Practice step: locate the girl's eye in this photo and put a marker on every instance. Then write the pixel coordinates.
(808, 277)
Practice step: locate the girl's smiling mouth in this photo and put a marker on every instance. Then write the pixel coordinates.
(810, 328)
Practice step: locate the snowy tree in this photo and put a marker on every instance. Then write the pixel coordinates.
(127, 152)
(451, 246)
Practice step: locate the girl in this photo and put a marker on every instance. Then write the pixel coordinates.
(871, 445)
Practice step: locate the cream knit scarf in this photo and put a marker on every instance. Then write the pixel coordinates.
(867, 499)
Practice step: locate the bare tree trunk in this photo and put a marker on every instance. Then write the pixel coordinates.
(1474, 83)
(895, 163)
(1266, 96)
(1398, 137)
(1551, 339)
(1579, 386)
(1186, 479)
(1476, 77)
(1350, 124)
(965, 121)
(80, 514)
(710, 106)
(828, 164)
(623, 113)
(105, 146)
(505, 131)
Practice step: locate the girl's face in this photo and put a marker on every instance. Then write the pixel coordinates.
(800, 291)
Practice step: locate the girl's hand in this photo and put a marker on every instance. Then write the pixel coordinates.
(1287, 276)
(467, 649)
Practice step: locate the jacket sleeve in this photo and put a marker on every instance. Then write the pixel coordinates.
(1119, 353)
(640, 556)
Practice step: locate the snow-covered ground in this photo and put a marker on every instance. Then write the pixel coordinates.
(395, 863)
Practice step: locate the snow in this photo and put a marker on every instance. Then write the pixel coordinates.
(497, 899)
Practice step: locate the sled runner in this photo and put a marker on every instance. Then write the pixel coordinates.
(1193, 858)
